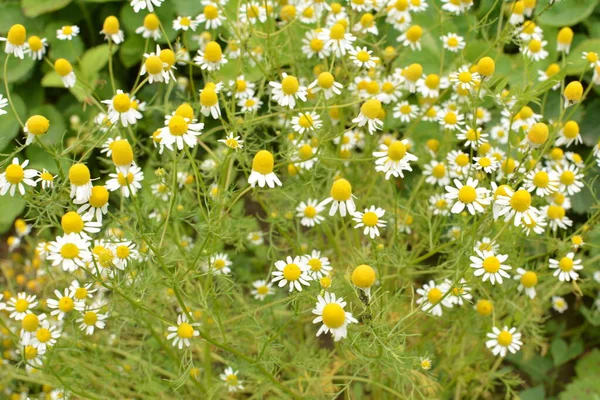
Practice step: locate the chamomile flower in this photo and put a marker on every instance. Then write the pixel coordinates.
(139, 5)
(70, 251)
(262, 289)
(90, 320)
(499, 133)
(256, 238)
(330, 312)
(486, 164)
(570, 179)
(453, 42)
(15, 176)
(310, 213)
(67, 32)
(15, 41)
(292, 271)
(490, 265)
(305, 156)
(65, 70)
(534, 50)
(412, 37)
(81, 292)
(425, 363)
(30, 324)
(230, 377)
(341, 197)
(219, 264)
(241, 88)
(36, 47)
(111, 30)
(566, 267)
(464, 79)
(371, 220)
(337, 40)
(568, 135)
(370, 115)
(542, 182)
(436, 173)
(312, 45)
(459, 292)
(517, 205)
(430, 85)
(180, 131)
(20, 306)
(249, 105)
(548, 73)
(150, 27)
(472, 137)
(120, 109)
(564, 40)
(405, 112)
(530, 31)
(262, 170)
(468, 196)
(439, 205)
(35, 126)
(233, 142)
(527, 281)
(432, 298)
(128, 183)
(211, 58)
(503, 341)
(125, 252)
(71, 222)
(363, 57)
(185, 23)
(288, 91)
(319, 266)
(211, 17)
(183, 332)
(306, 122)
(154, 67)
(559, 304)
(32, 356)
(252, 13)
(326, 83)
(450, 119)
(62, 305)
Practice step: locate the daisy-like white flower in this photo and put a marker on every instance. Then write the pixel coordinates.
(219, 264)
(64, 305)
(111, 30)
(262, 289)
(15, 41)
(180, 131)
(500, 134)
(314, 46)
(292, 271)
(568, 135)
(363, 57)
(120, 109)
(556, 215)
(486, 164)
(548, 73)
(45, 336)
(233, 142)
(341, 196)
(436, 173)
(337, 40)
(468, 195)
(139, 5)
(286, 92)
(439, 205)
(453, 42)
(450, 119)
(65, 70)
(252, 12)
(319, 266)
(570, 179)
(20, 306)
(517, 205)
(15, 176)
(209, 100)
(151, 27)
(542, 182)
(154, 67)
(534, 50)
(36, 47)
(370, 113)
(70, 251)
(129, 184)
(559, 304)
(22, 228)
(472, 137)
(310, 213)
(241, 88)
(96, 206)
(91, 319)
(527, 281)
(490, 265)
(504, 340)
(464, 78)
(81, 293)
(125, 252)
(251, 104)
(371, 220)
(35, 126)
(405, 111)
(430, 85)
(256, 238)
(67, 32)
(591, 57)
(262, 170)
(306, 122)
(529, 30)
(32, 356)
(211, 17)
(330, 312)
(432, 298)
(566, 267)
(183, 332)
(30, 324)
(71, 222)
(412, 37)
(184, 23)
(564, 39)
(459, 292)
(425, 363)
(230, 377)
(326, 83)
(211, 58)
(305, 156)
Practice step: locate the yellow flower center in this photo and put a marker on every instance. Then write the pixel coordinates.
(90, 318)
(16, 35)
(491, 264)
(504, 338)
(67, 30)
(520, 200)
(571, 130)
(14, 173)
(315, 264)
(565, 36)
(541, 179)
(263, 162)
(99, 196)
(341, 190)
(290, 85)
(414, 33)
(439, 171)
(452, 42)
(71, 222)
(370, 218)
(37, 125)
(123, 252)
(316, 45)
(396, 151)
(154, 65)
(363, 56)
(567, 177)
(66, 304)
(35, 43)
(213, 52)
(47, 176)
(333, 315)
(574, 91)
(151, 22)
(338, 31)
(565, 264)
(69, 251)
(371, 108)
(167, 56)
(413, 72)
(21, 305)
(111, 25)
(363, 276)
(121, 103)
(450, 118)
(81, 293)
(30, 322)
(485, 162)
(185, 21)
(310, 212)
(178, 125)
(125, 180)
(467, 194)
(30, 352)
(43, 335)
(465, 77)
(305, 152)
(484, 307)
(211, 12)
(291, 272)
(262, 290)
(63, 67)
(434, 295)
(529, 279)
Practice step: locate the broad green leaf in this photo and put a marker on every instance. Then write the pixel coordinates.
(33, 8)
(187, 8)
(589, 364)
(132, 51)
(94, 59)
(11, 208)
(576, 64)
(558, 349)
(17, 70)
(9, 126)
(10, 14)
(534, 393)
(568, 13)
